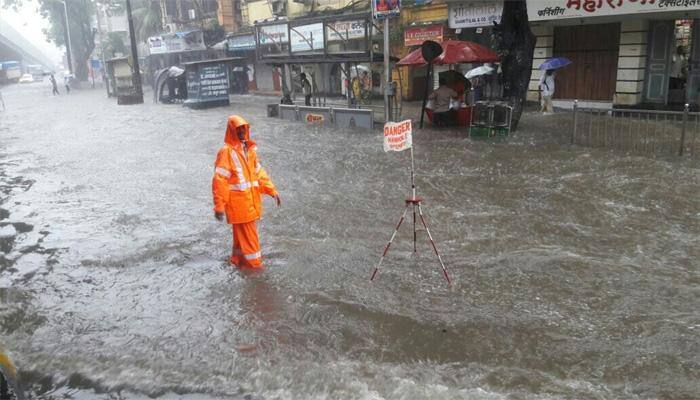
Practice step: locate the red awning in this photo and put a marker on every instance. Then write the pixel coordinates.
(453, 52)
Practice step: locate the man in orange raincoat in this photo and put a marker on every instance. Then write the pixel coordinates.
(238, 183)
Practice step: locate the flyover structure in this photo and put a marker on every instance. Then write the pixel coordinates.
(13, 46)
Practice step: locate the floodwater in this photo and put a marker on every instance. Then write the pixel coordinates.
(575, 270)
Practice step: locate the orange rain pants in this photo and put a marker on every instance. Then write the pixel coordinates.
(246, 246)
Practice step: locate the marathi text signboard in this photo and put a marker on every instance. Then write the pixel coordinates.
(418, 35)
(213, 82)
(475, 14)
(345, 30)
(386, 8)
(307, 37)
(270, 34)
(540, 10)
(245, 42)
(207, 84)
(398, 136)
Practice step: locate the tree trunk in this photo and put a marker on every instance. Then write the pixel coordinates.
(515, 43)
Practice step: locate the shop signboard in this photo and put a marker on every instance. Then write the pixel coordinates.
(386, 8)
(417, 35)
(273, 34)
(345, 30)
(541, 10)
(475, 14)
(307, 37)
(243, 42)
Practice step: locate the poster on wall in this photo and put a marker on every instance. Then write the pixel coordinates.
(307, 37)
(386, 8)
(541, 10)
(475, 14)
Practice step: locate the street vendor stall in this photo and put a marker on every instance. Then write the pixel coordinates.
(454, 52)
(208, 82)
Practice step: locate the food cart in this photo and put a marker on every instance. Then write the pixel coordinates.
(454, 52)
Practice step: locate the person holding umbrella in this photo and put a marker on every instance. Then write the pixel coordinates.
(546, 87)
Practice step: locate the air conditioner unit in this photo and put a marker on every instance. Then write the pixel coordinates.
(279, 7)
(191, 13)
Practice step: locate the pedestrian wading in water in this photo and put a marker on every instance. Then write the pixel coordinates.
(238, 185)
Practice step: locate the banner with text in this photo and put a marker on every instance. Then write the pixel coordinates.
(398, 136)
(540, 10)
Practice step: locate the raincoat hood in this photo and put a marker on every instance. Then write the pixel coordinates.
(231, 137)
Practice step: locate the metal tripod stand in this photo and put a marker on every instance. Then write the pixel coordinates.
(415, 202)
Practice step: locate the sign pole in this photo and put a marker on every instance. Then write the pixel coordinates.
(425, 93)
(398, 137)
(387, 103)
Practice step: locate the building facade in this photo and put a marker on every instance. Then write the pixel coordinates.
(623, 52)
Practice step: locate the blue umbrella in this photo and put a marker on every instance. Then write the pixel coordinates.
(555, 63)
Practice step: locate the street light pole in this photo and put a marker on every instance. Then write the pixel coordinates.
(69, 51)
(136, 77)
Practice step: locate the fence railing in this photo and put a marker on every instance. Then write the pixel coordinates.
(641, 131)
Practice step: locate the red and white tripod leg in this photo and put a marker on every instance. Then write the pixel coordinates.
(432, 242)
(386, 249)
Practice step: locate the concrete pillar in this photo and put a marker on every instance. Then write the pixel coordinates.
(631, 62)
(544, 49)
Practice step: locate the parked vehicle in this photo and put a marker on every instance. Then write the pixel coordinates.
(37, 72)
(26, 78)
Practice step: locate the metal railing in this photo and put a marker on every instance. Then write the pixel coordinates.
(649, 132)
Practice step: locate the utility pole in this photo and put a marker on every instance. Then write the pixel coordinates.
(69, 57)
(387, 72)
(136, 77)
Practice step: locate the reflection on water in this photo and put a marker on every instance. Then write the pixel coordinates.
(575, 269)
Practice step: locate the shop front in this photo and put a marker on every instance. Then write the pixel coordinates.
(623, 52)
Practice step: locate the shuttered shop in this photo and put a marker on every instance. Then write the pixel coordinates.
(593, 51)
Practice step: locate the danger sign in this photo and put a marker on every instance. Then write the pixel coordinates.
(397, 136)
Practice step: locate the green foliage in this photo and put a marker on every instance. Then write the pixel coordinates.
(82, 36)
(113, 44)
(147, 19)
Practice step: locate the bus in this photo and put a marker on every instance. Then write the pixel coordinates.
(37, 72)
(10, 71)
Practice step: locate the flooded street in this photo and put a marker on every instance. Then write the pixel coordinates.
(575, 270)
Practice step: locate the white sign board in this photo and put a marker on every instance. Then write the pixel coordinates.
(398, 136)
(541, 10)
(273, 34)
(345, 30)
(307, 37)
(475, 14)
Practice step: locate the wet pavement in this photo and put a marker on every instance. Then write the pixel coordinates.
(575, 270)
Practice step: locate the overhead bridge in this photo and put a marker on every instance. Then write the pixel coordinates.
(13, 46)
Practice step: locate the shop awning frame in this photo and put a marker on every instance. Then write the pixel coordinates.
(287, 56)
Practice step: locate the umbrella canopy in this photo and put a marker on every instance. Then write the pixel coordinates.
(453, 52)
(555, 63)
(478, 71)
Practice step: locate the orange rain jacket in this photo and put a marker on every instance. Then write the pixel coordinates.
(239, 179)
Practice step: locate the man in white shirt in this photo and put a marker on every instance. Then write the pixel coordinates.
(443, 115)
(546, 87)
(677, 72)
